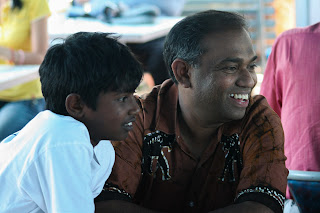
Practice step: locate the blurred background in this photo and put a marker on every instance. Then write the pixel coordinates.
(267, 18)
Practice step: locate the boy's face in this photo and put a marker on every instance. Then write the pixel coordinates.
(113, 116)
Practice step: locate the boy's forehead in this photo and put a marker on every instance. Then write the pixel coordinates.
(113, 93)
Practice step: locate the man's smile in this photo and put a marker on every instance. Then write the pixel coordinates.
(241, 100)
(243, 97)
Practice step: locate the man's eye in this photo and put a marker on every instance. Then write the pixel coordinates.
(231, 69)
(252, 66)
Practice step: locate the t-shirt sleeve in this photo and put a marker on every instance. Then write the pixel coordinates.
(126, 173)
(39, 9)
(264, 176)
(105, 155)
(59, 179)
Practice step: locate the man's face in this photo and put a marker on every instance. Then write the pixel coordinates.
(113, 116)
(225, 77)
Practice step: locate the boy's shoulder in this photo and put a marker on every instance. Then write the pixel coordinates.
(49, 129)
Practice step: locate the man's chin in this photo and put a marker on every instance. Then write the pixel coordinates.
(238, 116)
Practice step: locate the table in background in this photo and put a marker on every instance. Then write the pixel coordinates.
(11, 76)
(60, 27)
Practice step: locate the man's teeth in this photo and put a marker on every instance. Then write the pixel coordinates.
(240, 96)
(128, 124)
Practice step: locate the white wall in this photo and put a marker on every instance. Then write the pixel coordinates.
(307, 12)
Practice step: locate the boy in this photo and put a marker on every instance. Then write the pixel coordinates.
(56, 162)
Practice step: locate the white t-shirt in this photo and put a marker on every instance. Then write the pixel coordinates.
(51, 166)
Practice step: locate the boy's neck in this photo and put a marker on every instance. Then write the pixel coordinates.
(94, 143)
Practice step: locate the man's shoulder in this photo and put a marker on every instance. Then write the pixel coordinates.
(260, 110)
(259, 101)
(257, 111)
(158, 94)
(158, 108)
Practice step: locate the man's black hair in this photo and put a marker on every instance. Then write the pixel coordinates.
(184, 40)
(87, 64)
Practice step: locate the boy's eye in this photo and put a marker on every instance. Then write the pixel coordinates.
(123, 99)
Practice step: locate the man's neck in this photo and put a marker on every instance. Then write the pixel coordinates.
(195, 135)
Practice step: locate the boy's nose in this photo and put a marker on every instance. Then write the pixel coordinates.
(135, 109)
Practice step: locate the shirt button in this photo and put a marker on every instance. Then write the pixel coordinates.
(191, 204)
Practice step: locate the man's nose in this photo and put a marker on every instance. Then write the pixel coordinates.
(247, 79)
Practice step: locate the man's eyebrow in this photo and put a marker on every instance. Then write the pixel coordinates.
(236, 60)
(254, 58)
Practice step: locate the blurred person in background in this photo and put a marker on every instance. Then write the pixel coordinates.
(23, 40)
(149, 53)
(291, 86)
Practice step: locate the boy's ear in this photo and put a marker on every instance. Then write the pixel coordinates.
(181, 70)
(75, 105)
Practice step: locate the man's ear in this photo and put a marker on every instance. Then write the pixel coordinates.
(75, 105)
(181, 70)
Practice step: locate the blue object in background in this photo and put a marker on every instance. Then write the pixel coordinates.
(305, 189)
(267, 52)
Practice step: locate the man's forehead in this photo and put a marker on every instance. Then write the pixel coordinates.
(238, 59)
(228, 45)
(224, 59)
(231, 36)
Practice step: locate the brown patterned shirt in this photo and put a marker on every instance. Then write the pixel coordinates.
(244, 162)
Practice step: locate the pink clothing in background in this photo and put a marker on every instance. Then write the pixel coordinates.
(291, 85)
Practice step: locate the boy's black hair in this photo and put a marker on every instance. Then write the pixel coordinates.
(87, 64)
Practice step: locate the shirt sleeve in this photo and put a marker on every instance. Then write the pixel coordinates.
(264, 176)
(38, 9)
(271, 86)
(126, 172)
(59, 179)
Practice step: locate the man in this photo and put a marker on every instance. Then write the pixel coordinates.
(201, 143)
